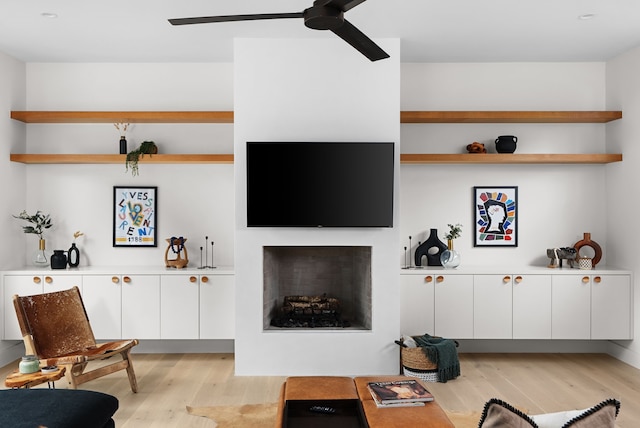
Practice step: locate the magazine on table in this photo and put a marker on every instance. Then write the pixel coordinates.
(399, 391)
(395, 404)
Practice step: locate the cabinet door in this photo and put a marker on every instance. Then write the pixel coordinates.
(492, 310)
(570, 307)
(57, 282)
(101, 295)
(179, 315)
(22, 285)
(531, 306)
(217, 307)
(454, 306)
(417, 304)
(141, 306)
(611, 309)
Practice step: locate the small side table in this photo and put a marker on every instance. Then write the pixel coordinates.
(27, 380)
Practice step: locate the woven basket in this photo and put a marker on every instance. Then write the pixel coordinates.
(425, 375)
(415, 359)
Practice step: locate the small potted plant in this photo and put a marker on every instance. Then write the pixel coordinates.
(134, 156)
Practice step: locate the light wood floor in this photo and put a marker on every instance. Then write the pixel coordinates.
(537, 383)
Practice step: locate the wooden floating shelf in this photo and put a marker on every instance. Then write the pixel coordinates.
(227, 116)
(501, 158)
(406, 158)
(115, 159)
(123, 116)
(509, 116)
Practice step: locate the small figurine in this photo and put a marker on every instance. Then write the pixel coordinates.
(176, 245)
(476, 147)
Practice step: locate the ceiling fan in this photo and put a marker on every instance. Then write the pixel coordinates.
(323, 15)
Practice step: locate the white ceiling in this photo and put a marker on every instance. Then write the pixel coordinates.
(429, 30)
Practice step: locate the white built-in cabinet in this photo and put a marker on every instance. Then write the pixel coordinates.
(143, 304)
(531, 304)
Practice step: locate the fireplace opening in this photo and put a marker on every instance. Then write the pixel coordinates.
(317, 287)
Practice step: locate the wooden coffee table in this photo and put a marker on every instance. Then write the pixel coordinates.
(27, 380)
(328, 387)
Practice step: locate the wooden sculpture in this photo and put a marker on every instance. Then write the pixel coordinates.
(176, 245)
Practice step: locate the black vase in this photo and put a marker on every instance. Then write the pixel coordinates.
(431, 248)
(74, 256)
(506, 143)
(58, 260)
(123, 145)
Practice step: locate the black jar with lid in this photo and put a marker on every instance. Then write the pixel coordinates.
(58, 260)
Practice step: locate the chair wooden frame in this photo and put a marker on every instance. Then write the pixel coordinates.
(55, 327)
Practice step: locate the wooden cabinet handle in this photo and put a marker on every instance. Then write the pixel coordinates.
(48, 279)
(126, 279)
(585, 279)
(440, 278)
(597, 280)
(36, 280)
(115, 279)
(204, 279)
(192, 279)
(518, 279)
(506, 279)
(428, 278)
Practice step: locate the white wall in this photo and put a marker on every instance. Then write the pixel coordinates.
(623, 92)
(194, 201)
(556, 204)
(323, 92)
(12, 97)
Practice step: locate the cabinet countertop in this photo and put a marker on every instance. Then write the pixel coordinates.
(513, 270)
(120, 270)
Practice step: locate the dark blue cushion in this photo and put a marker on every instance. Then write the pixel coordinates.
(56, 408)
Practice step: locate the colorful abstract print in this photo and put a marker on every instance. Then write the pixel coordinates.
(496, 217)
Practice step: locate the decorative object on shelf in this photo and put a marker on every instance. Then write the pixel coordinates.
(135, 216)
(206, 256)
(506, 143)
(585, 244)
(585, 263)
(450, 258)
(134, 156)
(122, 127)
(496, 216)
(476, 147)
(177, 247)
(74, 253)
(556, 255)
(39, 222)
(58, 260)
(432, 249)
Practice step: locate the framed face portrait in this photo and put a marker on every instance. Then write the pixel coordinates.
(496, 216)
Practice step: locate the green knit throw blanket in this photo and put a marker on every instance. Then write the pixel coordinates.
(443, 353)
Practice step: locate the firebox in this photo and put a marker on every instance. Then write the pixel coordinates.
(317, 287)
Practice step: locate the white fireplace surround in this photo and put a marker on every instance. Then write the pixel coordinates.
(314, 90)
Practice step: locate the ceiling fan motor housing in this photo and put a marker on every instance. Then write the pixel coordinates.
(323, 18)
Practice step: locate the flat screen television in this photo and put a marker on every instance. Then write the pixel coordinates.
(320, 184)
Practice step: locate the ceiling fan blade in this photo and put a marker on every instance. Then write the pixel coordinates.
(232, 18)
(356, 38)
(343, 5)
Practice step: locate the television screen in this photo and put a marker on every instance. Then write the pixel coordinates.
(308, 184)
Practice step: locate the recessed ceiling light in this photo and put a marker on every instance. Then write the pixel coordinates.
(49, 15)
(586, 16)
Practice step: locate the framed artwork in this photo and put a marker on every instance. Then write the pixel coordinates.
(496, 216)
(135, 216)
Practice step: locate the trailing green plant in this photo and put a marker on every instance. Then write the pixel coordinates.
(134, 156)
(39, 222)
(454, 231)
